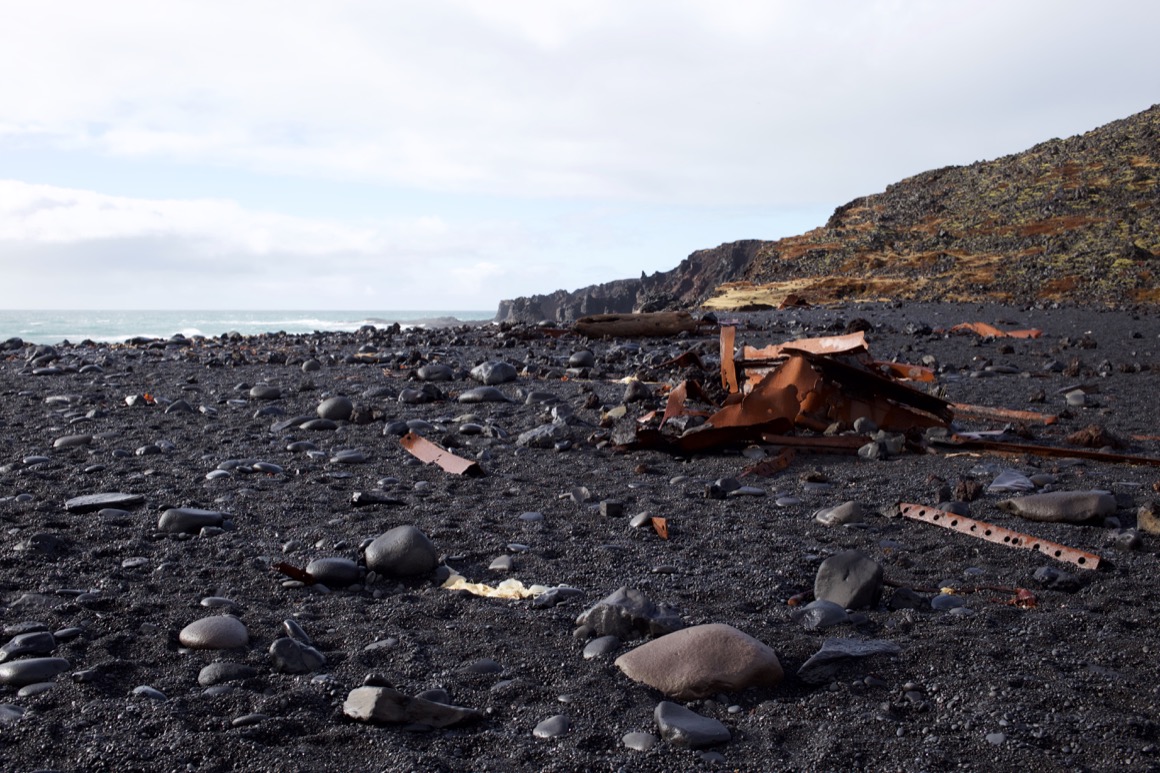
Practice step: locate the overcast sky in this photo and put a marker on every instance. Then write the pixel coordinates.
(445, 154)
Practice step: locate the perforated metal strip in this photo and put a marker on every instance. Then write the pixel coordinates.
(999, 535)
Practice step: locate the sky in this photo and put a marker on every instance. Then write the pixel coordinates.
(386, 155)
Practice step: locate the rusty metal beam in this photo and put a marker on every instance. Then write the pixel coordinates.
(1003, 447)
(999, 535)
(728, 369)
(429, 453)
(1002, 414)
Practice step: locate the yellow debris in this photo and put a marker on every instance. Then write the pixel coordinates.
(508, 589)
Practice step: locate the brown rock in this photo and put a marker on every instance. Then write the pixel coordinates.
(1094, 436)
(1147, 519)
(701, 661)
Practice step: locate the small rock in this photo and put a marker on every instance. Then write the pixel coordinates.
(627, 613)
(404, 551)
(683, 727)
(293, 657)
(335, 408)
(850, 579)
(553, 727)
(220, 632)
(847, 512)
(386, 704)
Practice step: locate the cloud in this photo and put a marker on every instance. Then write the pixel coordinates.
(731, 102)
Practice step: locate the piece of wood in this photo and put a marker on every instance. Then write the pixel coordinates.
(661, 323)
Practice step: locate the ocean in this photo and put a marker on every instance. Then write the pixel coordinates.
(53, 327)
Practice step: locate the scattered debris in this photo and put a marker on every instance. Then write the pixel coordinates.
(510, 588)
(990, 331)
(999, 535)
(429, 453)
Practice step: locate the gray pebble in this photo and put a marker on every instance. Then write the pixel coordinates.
(553, 727)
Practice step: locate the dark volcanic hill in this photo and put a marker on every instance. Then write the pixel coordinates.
(1074, 220)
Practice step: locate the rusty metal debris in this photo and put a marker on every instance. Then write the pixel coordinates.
(429, 453)
(990, 331)
(1005, 447)
(810, 384)
(771, 465)
(1002, 414)
(999, 535)
(661, 323)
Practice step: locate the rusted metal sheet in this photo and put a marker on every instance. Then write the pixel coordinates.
(661, 323)
(728, 369)
(990, 331)
(1002, 414)
(429, 453)
(999, 535)
(771, 465)
(905, 371)
(843, 344)
(679, 395)
(1003, 447)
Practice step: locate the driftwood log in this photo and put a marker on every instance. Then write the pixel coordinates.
(661, 323)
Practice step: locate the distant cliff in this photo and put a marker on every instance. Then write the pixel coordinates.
(1074, 220)
(684, 287)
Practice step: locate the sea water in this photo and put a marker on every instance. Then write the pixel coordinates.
(52, 327)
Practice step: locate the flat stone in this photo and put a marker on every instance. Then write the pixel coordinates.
(386, 704)
(820, 614)
(32, 643)
(627, 614)
(72, 441)
(701, 661)
(18, 673)
(850, 579)
(483, 394)
(10, 713)
(404, 551)
(265, 392)
(92, 502)
(220, 632)
(683, 727)
(177, 520)
(835, 653)
(1061, 506)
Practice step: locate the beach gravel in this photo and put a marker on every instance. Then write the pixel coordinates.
(254, 580)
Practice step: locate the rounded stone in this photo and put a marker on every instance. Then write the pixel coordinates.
(404, 551)
(336, 409)
(553, 727)
(221, 632)
(223, 671)
(265, 392)
(18, 673)
(333, 572)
